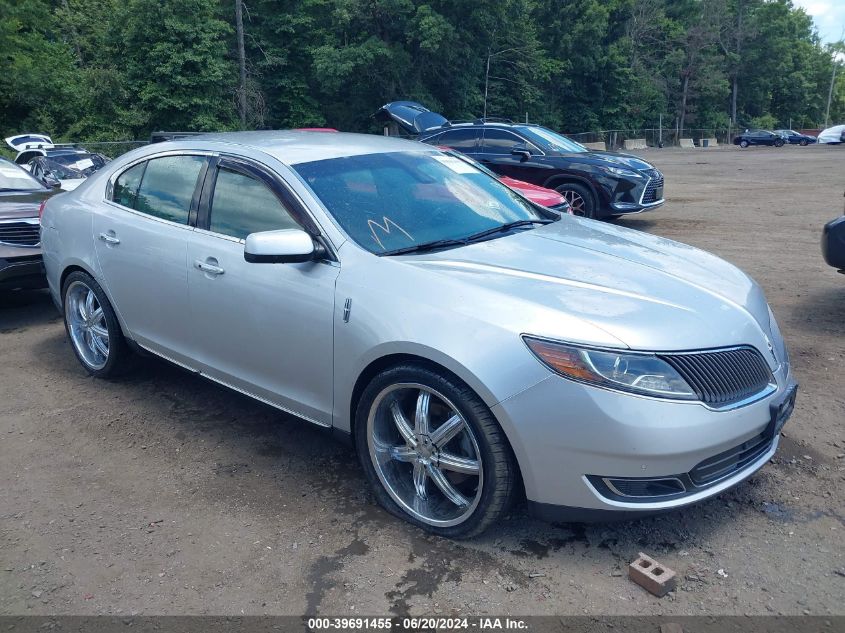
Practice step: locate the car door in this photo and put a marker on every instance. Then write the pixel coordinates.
(264, 329)
(141, 241)
(496, 150)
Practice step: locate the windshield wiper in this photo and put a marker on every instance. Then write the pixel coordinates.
(427, 246)
(475, 237)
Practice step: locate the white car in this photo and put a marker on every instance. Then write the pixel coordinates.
(833, 135)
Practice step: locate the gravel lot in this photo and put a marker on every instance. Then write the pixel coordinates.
(162, 493)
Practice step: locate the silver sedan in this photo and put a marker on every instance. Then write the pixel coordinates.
(473, 347)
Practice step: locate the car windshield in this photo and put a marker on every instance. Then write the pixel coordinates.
(404, 200)
(69, 166)
(13, 178)
(551, 141)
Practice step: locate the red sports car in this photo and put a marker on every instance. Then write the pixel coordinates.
(545, 197)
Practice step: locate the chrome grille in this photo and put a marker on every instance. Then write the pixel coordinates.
(723, 377)
(654, 189)
(21, 232)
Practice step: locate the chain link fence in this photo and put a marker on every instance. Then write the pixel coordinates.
(657, 137)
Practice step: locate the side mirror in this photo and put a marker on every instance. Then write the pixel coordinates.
(288, 246)
(523, 153)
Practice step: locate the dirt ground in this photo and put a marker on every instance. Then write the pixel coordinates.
(162, 493)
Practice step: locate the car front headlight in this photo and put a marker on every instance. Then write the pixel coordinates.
(619, 171)
(632, 372)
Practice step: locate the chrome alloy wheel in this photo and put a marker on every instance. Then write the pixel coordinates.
(87, 325)
(425, 454)
(578, 204)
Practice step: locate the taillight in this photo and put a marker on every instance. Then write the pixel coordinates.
(41, 209)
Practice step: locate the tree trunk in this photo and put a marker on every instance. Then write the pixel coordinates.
(239, 28)
(734, 90)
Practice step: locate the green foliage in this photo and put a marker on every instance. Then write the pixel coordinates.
(118, 69)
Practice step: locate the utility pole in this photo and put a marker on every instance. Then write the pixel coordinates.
(830, 93)
(487, 81)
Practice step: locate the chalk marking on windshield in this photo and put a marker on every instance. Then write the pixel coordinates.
(386, 228)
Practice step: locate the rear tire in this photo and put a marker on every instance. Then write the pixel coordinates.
(92, 327)
(580, 198)
(433, 453)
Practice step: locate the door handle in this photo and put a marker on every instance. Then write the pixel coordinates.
(211, 269)
(109, 238)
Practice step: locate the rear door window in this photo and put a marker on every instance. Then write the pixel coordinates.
(168, 186)
(461, 140)
(126, 186)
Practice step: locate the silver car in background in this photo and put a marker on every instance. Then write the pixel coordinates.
(474, 347)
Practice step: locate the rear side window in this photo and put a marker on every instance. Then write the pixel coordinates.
(126, 186)
(242, 205)
(463, 140)
(167, 187)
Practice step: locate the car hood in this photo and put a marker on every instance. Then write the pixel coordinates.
(535, 193)
(642, 291)
(412, 117)
(614, 159)
(14, 205)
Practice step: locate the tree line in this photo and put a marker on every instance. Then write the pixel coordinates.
(118, 69)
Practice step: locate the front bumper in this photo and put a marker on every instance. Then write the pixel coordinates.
(25, 272)
(569, 438)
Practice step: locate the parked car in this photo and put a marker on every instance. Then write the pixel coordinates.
(758, 137)
(69, 169)
(833, 135)
(795, 138)
(466, 341)
(21, 197)
(596, 184)
(548, 198)
(833, 243)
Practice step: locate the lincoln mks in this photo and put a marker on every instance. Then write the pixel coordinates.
(474, 347)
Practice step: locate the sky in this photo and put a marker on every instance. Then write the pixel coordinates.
(829, 16)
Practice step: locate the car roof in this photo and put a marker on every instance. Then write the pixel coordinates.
(293, 146)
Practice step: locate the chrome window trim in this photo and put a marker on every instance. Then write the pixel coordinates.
(109, 189)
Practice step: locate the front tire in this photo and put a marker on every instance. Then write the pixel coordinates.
(580, 198)
(743, 144)
(803, 142)
(779, 143)
(92, 326)
(433, 452)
